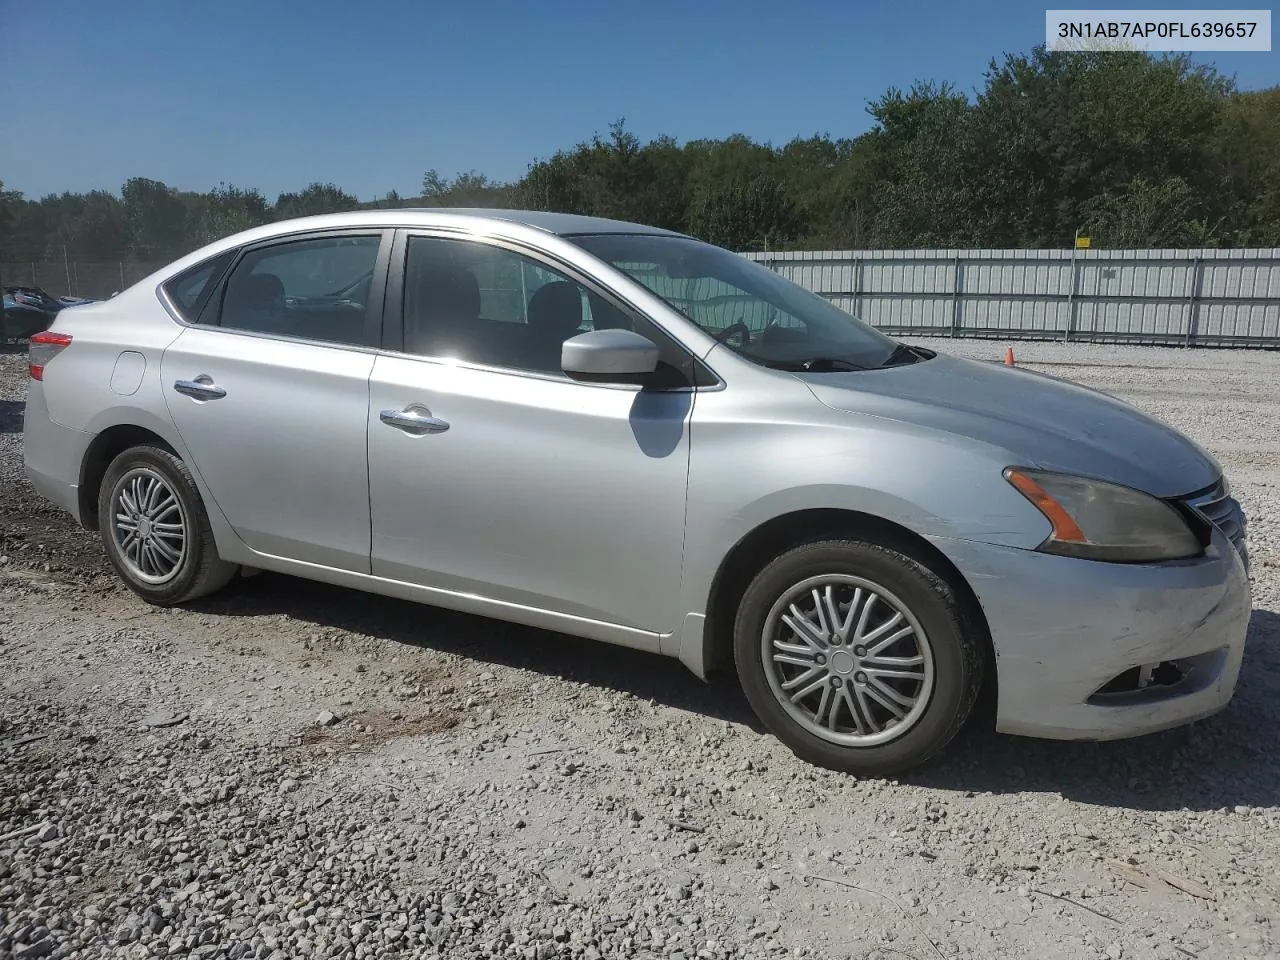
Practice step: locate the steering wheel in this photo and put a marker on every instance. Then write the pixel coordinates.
(737, 327)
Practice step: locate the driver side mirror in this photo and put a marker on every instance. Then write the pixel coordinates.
(609, 356)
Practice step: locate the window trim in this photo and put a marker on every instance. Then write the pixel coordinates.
(374, 310)
(393, 317)
(215, 281)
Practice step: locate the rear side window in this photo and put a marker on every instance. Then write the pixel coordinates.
(189, 290)
(315, 289)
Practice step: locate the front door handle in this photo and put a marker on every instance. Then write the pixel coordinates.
(201, 388)
(415, 420)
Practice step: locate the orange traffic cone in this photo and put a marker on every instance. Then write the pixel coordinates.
(1008, 357)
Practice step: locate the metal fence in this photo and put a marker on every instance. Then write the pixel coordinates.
(76, 278)
(1185, 297)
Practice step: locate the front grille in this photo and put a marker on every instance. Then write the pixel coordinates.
(1223, 511)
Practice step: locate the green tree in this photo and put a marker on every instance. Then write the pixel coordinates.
(614, 176)
(746, 214)
(315, 199)
(1145, 214)
(470, 189)
(156, 219)
(100, 230)
(1054, 131)
(554, 184)
(921, 150)
(32, 230)
(223, 211)
(1247, 157)
(11, 204)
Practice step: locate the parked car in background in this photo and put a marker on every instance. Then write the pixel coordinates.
(625, 434)
(29, 309)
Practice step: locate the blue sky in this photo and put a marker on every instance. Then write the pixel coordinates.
(370, 93)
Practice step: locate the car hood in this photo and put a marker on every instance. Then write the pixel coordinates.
(1041, 420)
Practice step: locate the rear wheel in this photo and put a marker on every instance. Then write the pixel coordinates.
(858, 657)
(155, 528)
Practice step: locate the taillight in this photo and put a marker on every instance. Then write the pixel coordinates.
(44, 347)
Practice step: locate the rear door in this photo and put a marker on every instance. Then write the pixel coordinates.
(269, 390)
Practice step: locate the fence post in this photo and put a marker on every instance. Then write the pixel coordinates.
(1072, 303)
(121, 265)
(1193, 301)
(955, 297)
(857, 288)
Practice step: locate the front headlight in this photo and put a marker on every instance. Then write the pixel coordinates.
(1104, 521)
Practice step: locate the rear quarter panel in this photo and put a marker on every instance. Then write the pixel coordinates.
(78, 383)
(82, 392)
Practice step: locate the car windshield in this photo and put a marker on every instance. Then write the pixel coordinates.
(748, 307)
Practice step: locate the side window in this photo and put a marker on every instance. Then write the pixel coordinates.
(313, 289)
(189, 289)
(496, 307)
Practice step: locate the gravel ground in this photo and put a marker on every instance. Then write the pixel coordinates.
(290, 770)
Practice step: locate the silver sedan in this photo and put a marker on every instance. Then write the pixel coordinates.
(622, 433)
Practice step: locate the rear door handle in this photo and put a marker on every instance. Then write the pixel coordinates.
(201, 388)
(415, 420)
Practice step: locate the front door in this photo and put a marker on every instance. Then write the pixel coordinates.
(270, 395)
(494, 474)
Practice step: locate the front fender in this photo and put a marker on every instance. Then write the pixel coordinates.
(754, 463)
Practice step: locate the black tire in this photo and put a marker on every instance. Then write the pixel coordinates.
(199, 571)
(955, 646)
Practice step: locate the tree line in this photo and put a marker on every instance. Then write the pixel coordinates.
(1130, 149)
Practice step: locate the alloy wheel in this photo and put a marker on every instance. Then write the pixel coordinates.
(149, 525)
(847, 660)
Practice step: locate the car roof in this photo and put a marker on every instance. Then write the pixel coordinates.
(560, 224)
(499, 222)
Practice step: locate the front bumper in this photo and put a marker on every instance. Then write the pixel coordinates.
(1065, 629)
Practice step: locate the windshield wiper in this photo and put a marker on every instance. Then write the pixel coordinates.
(814, 365)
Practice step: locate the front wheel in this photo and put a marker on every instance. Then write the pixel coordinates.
(155, 528)
(858, 657)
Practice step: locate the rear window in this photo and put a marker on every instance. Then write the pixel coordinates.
(189, 290)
